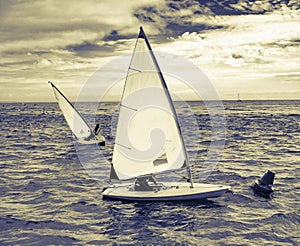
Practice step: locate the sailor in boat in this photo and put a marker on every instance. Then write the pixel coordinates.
(97, 129)
(93, 135)
(146, 183)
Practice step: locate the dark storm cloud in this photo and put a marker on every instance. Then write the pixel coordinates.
(89, 49)
(175, 17)
(47, 21)
(239, 7)
(115, 36)
(146, 13)
(172, 19)
(231, 7)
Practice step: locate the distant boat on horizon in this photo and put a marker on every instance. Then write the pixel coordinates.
(239, 98)
(145, 110)
(80, 129)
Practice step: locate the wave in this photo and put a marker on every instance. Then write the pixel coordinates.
(31, 232)
(48, 198)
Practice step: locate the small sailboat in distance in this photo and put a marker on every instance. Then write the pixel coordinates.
(239, 98)
(80, 129)
(149, 140)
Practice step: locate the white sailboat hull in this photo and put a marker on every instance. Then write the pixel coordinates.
(171, 192)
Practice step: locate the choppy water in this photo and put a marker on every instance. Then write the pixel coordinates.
(46, 196)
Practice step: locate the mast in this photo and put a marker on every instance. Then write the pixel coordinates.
(188, 168)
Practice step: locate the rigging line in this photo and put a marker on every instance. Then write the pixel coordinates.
(122, 105)
(181, 176)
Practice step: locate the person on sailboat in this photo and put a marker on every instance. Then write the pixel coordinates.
(97, 129)
(96, 133)
(145, 183)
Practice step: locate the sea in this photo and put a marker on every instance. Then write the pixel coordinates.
(48, 197)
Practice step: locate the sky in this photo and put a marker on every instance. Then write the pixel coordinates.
(250, 48)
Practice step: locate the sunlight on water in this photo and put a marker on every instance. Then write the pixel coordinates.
(47, 197)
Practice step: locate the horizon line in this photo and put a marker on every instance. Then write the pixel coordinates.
(114, 101)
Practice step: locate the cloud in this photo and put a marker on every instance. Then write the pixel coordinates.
(177, 17)
(247, 53)
(88, 49)
(34, 25)
(252, 39)
(67, 41)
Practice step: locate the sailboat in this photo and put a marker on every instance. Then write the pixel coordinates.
(80, 129)
(238, 98)
(149, 140)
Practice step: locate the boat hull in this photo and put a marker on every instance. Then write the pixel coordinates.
(171, 192)
(262, 190)
(91, 142)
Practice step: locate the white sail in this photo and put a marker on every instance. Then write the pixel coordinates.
(77, 124)
(148, 138)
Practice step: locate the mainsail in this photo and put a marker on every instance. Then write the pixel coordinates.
(79, 127)
(148, 137)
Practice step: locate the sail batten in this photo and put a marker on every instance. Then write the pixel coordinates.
(147, 123)
(134, 109)
(134, 69)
